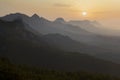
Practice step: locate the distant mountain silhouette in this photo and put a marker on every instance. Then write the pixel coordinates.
(23, 46)
(35, 16)
(91, 26)
(45, 26)
(81, 39)
(60, 20)
(67, 44)
(12, 17)
(94, 27)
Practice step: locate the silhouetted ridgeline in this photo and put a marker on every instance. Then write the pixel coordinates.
(84, 35)
(37, 42)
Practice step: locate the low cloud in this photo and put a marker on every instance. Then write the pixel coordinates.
(61, 5)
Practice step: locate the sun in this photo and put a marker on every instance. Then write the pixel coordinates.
(84, 13)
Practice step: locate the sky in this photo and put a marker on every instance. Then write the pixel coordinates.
(104, 11)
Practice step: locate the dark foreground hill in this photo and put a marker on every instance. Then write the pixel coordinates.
(9, 71)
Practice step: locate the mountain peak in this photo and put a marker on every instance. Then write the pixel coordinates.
(60, 20)
(35, 16)
(14, 16)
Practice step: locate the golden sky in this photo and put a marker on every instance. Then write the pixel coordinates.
(102, 10)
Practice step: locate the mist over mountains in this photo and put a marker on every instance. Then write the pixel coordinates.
(72, 45)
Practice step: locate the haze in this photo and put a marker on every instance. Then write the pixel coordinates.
(105, 11)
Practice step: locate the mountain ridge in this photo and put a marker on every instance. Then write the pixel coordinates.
(33, 50)
(103, 45)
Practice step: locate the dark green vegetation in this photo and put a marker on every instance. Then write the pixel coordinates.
(8, 71)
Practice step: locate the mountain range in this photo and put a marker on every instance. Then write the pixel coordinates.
(57, 44)
(83, 32)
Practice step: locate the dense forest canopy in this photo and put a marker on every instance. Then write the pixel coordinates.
(9, 71)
